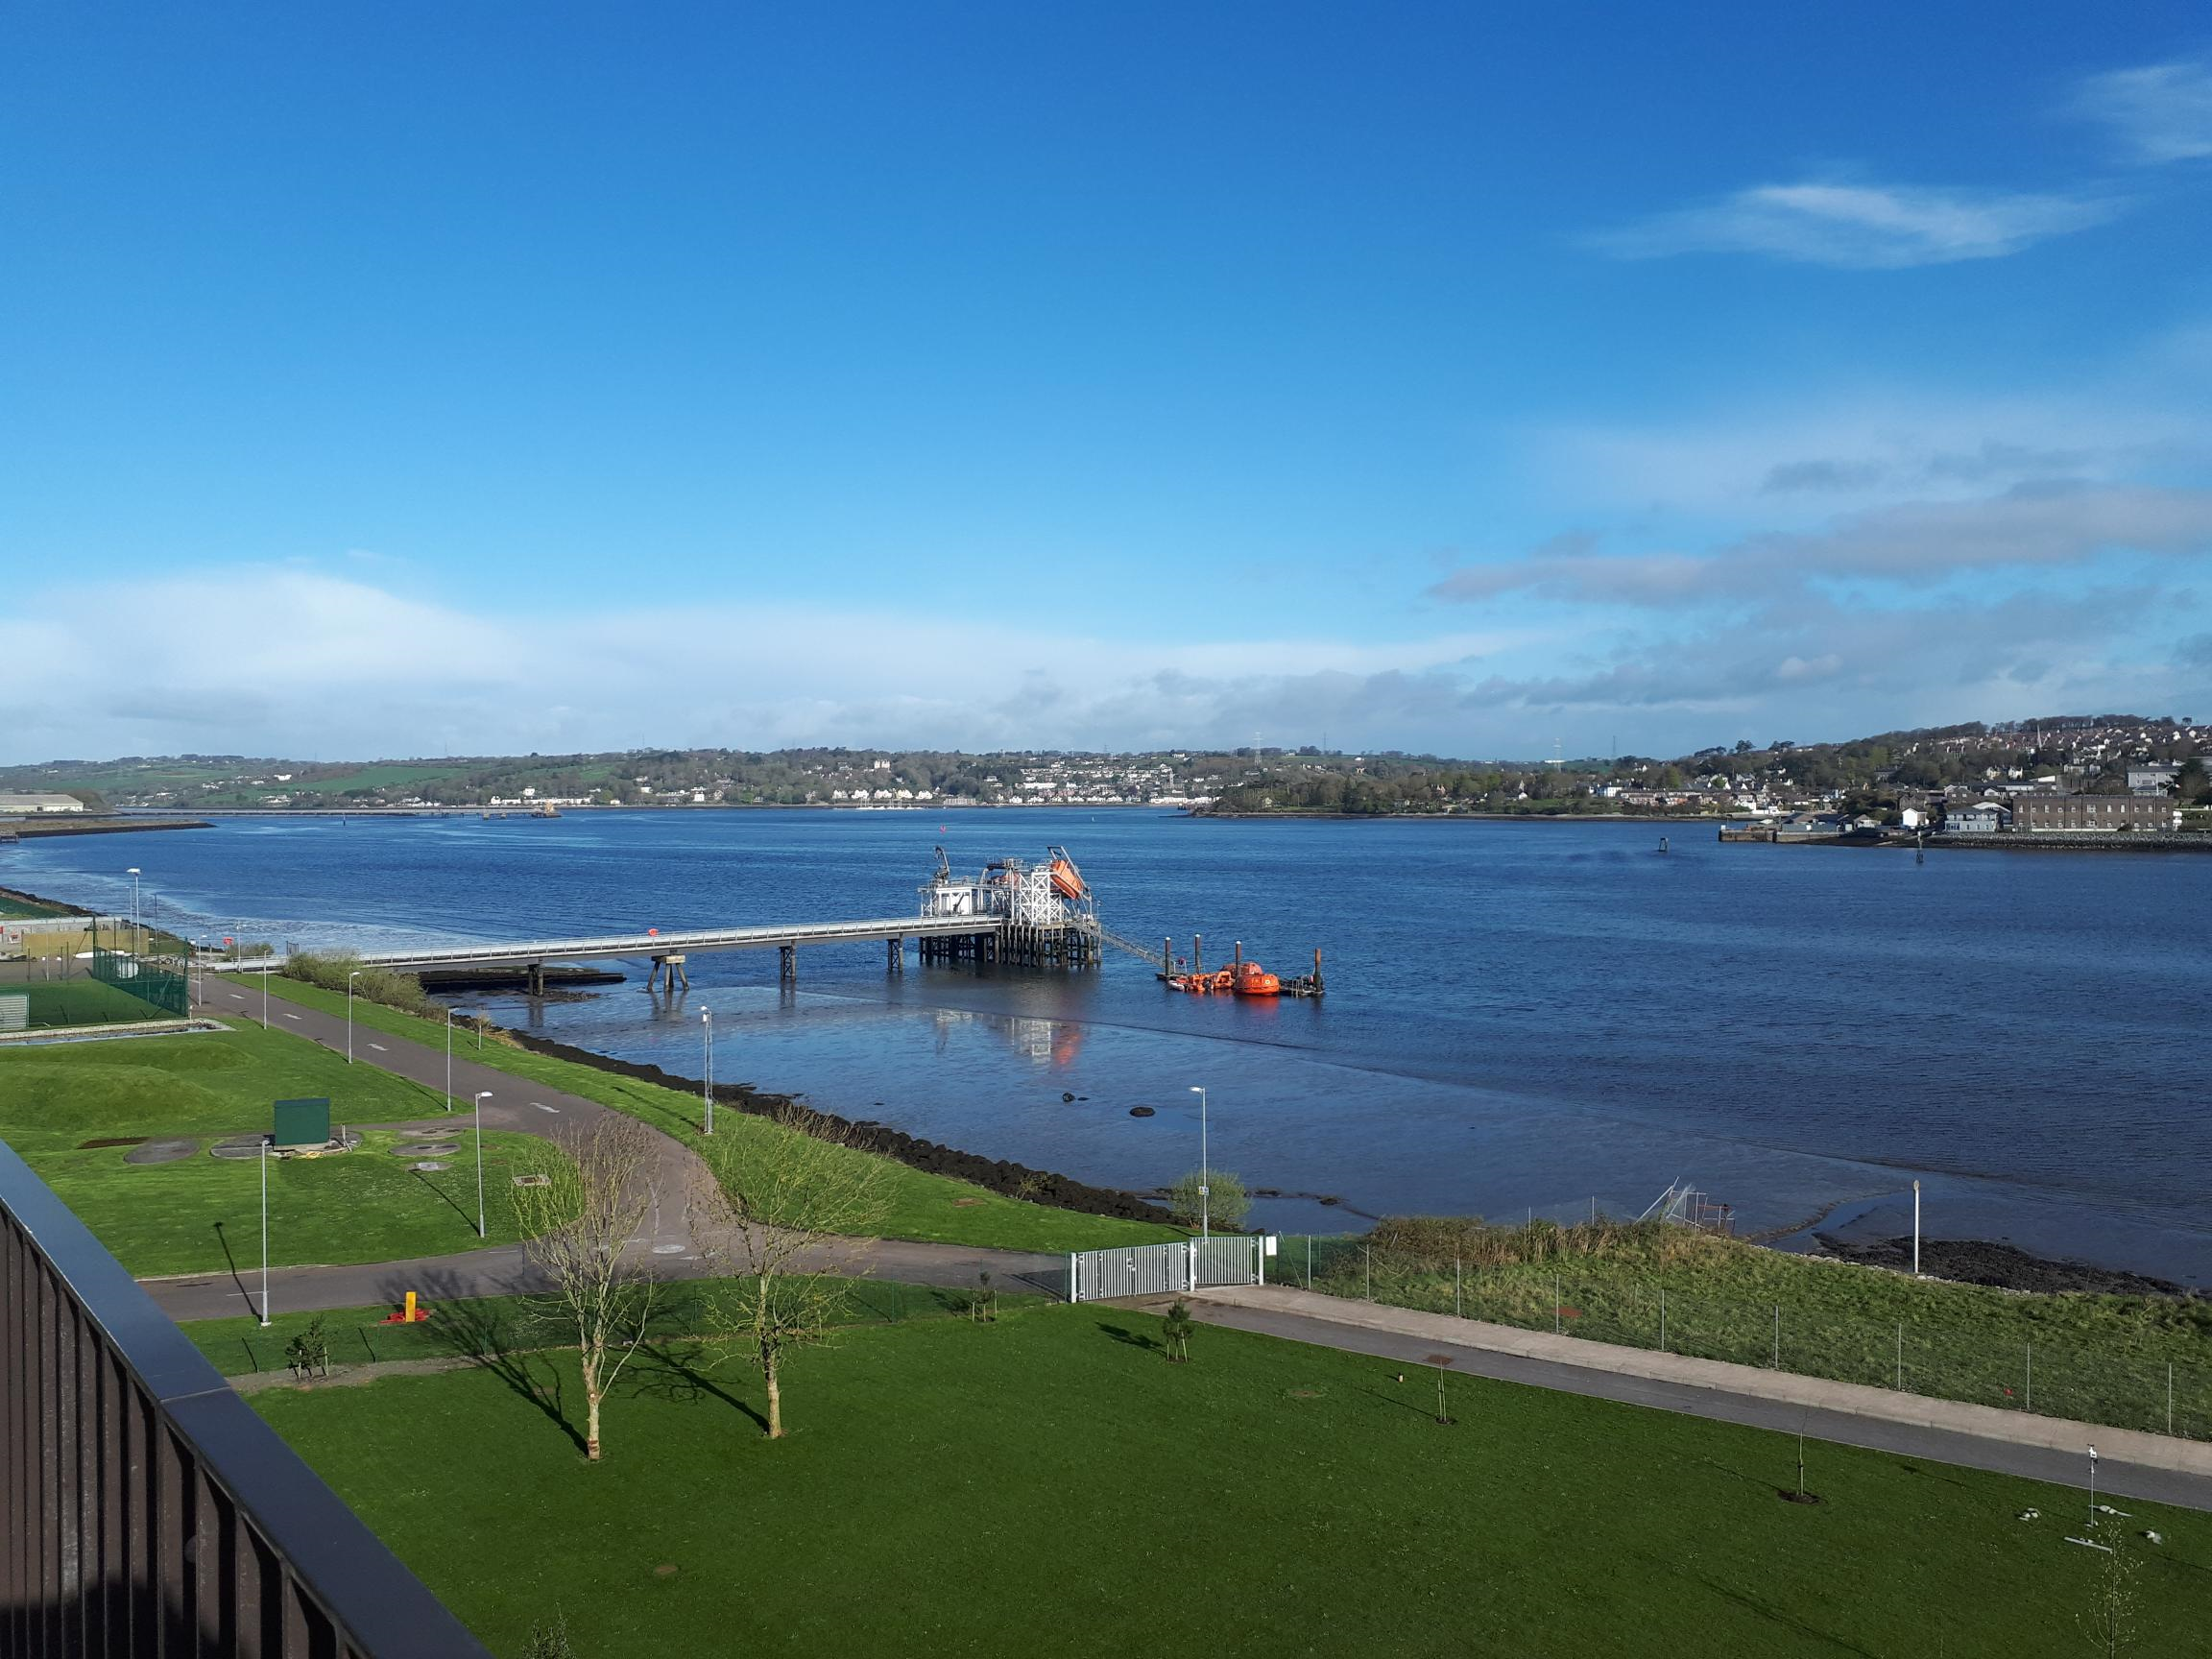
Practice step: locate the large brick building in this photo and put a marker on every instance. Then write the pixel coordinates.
(2140, 813)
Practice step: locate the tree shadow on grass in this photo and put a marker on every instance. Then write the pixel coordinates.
(1782, 1617)
(1122, 1334)
(494, 1339)
(671, 1369)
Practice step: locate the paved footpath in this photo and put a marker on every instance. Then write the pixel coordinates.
(2131, 1464)
(527, 1108)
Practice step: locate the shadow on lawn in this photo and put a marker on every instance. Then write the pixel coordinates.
(451, 1203)
(1122, 1334)
(670, 1370)
(496, 1340)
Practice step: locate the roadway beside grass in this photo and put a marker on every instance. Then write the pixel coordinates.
(202, 1214)
(935, 1209)
(1049, 1484)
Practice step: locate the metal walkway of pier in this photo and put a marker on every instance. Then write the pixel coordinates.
(536, 952)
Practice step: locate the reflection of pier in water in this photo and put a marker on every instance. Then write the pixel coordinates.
(1040, 1039)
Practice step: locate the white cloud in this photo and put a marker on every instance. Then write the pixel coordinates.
(1861, 226)
(282, 661)
(2162, 112)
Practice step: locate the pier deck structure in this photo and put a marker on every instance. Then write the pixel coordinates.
(667, 950)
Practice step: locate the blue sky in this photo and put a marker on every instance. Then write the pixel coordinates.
(412, 378)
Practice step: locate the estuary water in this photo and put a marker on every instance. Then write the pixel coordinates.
(1522, 1017)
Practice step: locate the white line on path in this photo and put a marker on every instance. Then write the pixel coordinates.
(291, 1016)
(543, 1107)
(379, 1048)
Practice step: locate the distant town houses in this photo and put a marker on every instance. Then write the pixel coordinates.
(2105, 812)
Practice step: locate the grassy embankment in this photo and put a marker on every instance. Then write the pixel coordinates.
(18, 907)
(2101, 1358)
(1048, 1485)
(934, 1208)
(203, 1214)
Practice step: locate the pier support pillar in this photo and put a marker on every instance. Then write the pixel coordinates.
(898, 955)
(787, 964)
(536, 978)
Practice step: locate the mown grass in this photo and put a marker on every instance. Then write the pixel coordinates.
(1049, 1485)
(485, 1327)
(203, 1214)
(2101, 1358)
(933, 1208)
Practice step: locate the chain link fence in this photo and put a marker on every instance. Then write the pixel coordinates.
(2158, 1382)
(88, 971)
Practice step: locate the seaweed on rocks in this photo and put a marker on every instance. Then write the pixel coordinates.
(932, 1158)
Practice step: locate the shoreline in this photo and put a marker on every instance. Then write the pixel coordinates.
(1967, 1261)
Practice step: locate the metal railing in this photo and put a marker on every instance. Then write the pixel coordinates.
(144, 1509)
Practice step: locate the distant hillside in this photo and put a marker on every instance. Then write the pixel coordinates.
(2087, 751)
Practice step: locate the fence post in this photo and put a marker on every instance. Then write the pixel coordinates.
(1554, 1304)
(1900, 1355)
(1308, 1261)
(1777, 1336)
(1370, 1273)
(1662, 1318)
(2169, 1396)
(2030, 1403)
(1458, 1314)
(1074, 1290)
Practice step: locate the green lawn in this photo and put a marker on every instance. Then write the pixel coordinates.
(2101, 1358)
(203, 1214)
(923, 1206)
(481, 1324)
(13, 906)
(1049, 1485)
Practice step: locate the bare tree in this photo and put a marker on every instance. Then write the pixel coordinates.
(789, 1204)
(2109, 1622)
(594, 1201)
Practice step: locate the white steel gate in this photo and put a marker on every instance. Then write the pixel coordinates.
(1163, 1270)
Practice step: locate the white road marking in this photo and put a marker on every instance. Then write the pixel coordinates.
(543, 1107)
(291, 1016)
(379, 1048)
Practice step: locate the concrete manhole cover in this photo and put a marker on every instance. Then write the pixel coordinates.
(239, 1147)
(426, 1149)
(161, 1152)
(533, 1180)
(667, 1249)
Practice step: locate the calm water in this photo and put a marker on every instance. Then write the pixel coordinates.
(1521, 1017)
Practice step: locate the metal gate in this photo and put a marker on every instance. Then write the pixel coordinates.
(1165, 1269)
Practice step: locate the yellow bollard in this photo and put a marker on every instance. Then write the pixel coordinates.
(409, 1316)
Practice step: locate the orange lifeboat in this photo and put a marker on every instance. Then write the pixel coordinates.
(1250, 979)
(1067, 882)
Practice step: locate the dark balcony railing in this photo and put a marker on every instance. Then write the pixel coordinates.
(145, 1510)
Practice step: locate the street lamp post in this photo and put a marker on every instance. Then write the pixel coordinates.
(449, 1059)
(1205, 1171)
(264, 1230)
(132, 872)
(707, 1042)
(350, 978)
(264, 995)
(481, 1097)
(1915, 1229)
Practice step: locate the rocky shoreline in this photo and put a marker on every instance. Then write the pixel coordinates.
(2005, 1267)
(932, 1158)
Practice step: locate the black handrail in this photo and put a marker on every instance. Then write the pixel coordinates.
(144, 1509)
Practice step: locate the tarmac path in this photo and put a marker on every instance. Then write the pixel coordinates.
(2134, 1465)
(527, 1108)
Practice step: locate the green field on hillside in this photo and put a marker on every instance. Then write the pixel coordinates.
(200, 1214)
(923, 1206)
(1051, 1484)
